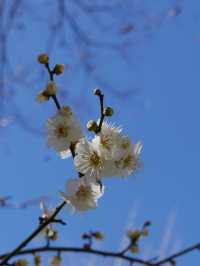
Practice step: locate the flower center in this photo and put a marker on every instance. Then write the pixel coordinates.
(61, 131)
(95, 160)
(125, 143)
(127, 161)
(83, 192)
(105, 141)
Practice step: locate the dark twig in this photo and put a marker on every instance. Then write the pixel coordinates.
(81, 250)
(58, 221)
(103, 253)
(179, 254)
(51, 73)
(101, 100)
(56, 102)
(32, 235)
(125, 249)
(51, 77)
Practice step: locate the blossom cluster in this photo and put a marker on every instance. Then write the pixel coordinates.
(109, 153)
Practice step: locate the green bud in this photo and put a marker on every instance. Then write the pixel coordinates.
(134, 235)
(98, 235)
(92, 125)
(21, 262)
(134, 249)
(59, 69)
(43, 59)
(56, 261)
(108, 111)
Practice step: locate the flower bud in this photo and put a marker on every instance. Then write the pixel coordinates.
(59, 69)
(51, 234)
(87, 246)
(92, 125)
(51, 88)
(134, 249)
(37, 260)
(21, 262)
(145, 232)
(56, 261)
(43, 59)
(134, 235)
(98, 235)
(108, 111)
(97, 92)
(42, 97)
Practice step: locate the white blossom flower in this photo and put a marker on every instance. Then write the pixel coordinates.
(121, 147)
(63, 129)
(88, 160)
(129, 162)
(82, 194)
(107, 139)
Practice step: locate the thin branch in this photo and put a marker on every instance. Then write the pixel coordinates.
(179, 254)
(81, 250)
(24, 243)
(117, 255)
(101, 97)
(51, 73)
(56, 102)
(102, 115)
(126, 249)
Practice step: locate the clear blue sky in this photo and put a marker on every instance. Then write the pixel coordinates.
(164, 115)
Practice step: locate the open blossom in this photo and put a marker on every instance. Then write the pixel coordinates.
(63, 129)
(82, 194)
(107, 139)
(88, 160)
(129, 162)
(120, 160)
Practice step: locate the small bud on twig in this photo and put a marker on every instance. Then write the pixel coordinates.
(92, 125)
(49, 91)
(21, 262)
(108, 111)
(37, 260)
(56, 261)
(98, 235)
(59, 69)
(51, 88)
(43, 59)
(134, 249)
(87, 246)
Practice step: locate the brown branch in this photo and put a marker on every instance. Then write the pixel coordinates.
(24, 243)
(98, 93)
(179, 254)
(117, 255)
(82, 250)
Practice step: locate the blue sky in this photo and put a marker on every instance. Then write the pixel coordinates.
(164, 65)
